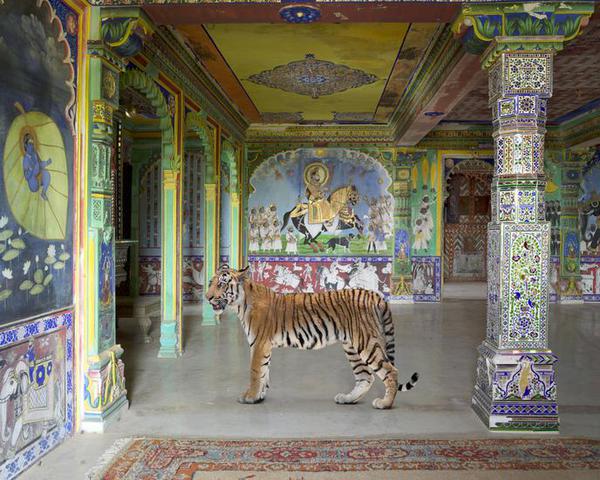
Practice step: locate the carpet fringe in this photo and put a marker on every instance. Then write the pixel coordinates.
(106, 459)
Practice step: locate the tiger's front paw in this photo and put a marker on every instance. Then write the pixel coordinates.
(248, 398)
(381, 404)
(344, 399)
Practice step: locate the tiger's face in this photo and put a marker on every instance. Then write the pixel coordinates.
(225, 287)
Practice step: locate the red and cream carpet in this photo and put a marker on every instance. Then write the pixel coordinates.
(183, 459)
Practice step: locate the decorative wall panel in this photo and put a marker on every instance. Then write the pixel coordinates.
(318, 274)
(38, 54)
(36, 390)
(322, 202)
(427, 279)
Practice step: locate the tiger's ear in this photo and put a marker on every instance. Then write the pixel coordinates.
(244, 272)
(224, 268)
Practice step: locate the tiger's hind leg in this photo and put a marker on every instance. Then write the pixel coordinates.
(375, 357)
(362, 375)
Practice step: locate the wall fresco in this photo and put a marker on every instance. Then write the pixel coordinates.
(193, 280)
(150, 277)
(589, 221)
(37, 116)
(424, 203)
(193, 226)
(106, 291)
(311, 204)
(320, 202)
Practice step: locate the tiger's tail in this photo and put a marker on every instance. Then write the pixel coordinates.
(410, 384)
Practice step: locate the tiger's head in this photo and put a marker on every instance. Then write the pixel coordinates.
(225, 287)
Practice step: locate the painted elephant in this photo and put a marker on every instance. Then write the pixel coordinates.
(13, 390)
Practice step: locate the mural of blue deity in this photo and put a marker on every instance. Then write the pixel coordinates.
(314, 201)
(38, 49)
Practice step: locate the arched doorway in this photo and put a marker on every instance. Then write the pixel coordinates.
(466, 216)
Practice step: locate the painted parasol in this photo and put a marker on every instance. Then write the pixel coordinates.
(35, 175)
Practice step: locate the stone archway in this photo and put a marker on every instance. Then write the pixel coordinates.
(171, 259)
(466, 215)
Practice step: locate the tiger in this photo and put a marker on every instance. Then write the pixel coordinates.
(360, 319)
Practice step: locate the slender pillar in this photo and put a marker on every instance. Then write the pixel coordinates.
(570, 232)
(172, 264)
(104, 393)
(402, 268)
(230, 156)
(211, 219)
(516, 388)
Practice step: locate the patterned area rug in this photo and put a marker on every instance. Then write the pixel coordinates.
(182, 459)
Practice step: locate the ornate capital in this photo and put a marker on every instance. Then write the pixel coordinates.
(171, 179)
(519, 26)
(96, 48)
(228, 155)
(103, 112)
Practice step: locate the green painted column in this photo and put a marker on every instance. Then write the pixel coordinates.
(402, 267)
(172, 265)
(196, 122)
(230, 156)
(570, 232)
(211, 241)
(103, 390)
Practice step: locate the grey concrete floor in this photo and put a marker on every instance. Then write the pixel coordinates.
(195, 396)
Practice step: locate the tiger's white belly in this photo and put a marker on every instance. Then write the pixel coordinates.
(290, 339)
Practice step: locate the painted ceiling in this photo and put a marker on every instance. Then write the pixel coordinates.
(574, 66)
(340, 73)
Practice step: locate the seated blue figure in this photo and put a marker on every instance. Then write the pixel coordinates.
(34, 169)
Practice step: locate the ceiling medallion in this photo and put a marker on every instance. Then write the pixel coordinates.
(304, 12)
(313, 77)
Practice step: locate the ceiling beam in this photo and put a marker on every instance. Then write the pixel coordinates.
(331, 12)
(460, 80)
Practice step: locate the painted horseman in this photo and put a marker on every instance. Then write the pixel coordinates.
(323, 213)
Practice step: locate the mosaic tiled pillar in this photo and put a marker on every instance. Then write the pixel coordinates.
(570, 233)
(515, 388)
(104, 393)
(402, 267)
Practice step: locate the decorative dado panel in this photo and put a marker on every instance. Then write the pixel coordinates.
(36, 393)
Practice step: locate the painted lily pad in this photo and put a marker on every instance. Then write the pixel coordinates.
(26, 285)
(4, 294)
(38, 276)
(36, 290)
(10, 255)
(18, 243)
